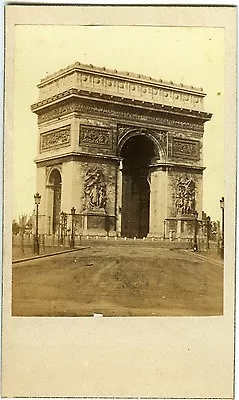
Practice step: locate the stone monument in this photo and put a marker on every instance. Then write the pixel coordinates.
(124, 149)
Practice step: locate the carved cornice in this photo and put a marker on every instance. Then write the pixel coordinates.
(56, 160)
(73, 156)
(176, 166)
(39, 107)
(163, 118)
(51, 99)
(84, 68)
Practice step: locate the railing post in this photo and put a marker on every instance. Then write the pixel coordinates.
(195, 244)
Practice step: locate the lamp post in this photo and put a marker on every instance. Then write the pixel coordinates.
(37, 199)
(65, 225)
(73, 212)
(195, 244)
(222, 241)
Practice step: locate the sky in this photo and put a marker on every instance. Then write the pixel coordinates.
(189, 55)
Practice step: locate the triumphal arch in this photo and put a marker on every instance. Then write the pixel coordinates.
(125, 150)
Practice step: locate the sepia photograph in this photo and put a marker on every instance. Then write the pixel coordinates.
(123, 210)
(120, 172)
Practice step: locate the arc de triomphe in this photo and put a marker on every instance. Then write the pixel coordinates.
(124, 149)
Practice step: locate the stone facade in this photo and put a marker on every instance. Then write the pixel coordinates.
(127, 150)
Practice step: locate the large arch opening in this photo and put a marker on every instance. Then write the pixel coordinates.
(54, 200)
(137, 154)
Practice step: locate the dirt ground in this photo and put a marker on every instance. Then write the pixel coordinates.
(119, 279)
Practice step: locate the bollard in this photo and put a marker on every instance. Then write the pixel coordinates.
(116, 238)
(134, 238)
(125, 238)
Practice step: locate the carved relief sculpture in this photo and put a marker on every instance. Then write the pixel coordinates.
(55, 138)
(184, 148)
(95, 189)
(185, 196)
(96, 136)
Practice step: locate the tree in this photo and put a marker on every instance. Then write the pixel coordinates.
(15, 227)
(23, 223)
(30, 224)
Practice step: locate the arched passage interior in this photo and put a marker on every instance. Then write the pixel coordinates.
(137, 154)
(54, 200)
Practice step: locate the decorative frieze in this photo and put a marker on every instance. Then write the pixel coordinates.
(59, 110)
(95, 136)
(127, 85)
(184, 148)
(55, 138)
(73, 107)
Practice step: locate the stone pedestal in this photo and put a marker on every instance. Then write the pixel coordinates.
(95, 222)
(158, 202)
(180, 227)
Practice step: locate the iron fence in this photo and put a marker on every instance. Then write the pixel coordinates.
(23, 245)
